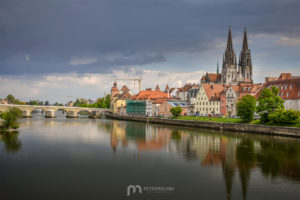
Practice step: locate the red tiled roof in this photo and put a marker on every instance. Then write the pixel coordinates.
(147, 94)
(125, 88)
(186, 87)
(167, 87)
(289, 88)
(212, 77)
(213, 90)
(157, 88)
(124, 96)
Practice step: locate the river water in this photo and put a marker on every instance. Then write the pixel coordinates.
(99, 158)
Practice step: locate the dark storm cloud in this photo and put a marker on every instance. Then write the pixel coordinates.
(44, 36)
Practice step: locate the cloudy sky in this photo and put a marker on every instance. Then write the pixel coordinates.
(61, 50)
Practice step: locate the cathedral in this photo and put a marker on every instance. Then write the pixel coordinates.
(233, 72)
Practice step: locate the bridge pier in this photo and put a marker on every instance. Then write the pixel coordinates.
(72, 114)
(26, 113)
(94, 114)
(50, 114)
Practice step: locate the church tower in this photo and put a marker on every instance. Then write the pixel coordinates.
(229, 68)
(245, 63)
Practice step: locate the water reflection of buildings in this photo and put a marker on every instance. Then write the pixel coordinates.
(235, 155)
(144, 137)
(118, 135)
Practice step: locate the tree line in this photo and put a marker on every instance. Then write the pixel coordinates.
(269, 106)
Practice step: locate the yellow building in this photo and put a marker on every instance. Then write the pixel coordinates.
(208, 99)
(118, 98)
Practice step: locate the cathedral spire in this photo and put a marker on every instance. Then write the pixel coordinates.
(229, 41)
(245, 41)
(217, 67)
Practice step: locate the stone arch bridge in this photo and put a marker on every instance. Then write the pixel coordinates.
(49, 111)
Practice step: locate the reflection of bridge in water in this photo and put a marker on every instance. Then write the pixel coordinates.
(49, 111)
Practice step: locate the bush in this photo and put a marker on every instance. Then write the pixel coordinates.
(285, 117)
(10, 118)
(176, 111)
(246, 108)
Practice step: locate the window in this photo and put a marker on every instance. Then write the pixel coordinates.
(290, 86)
(282, 94)
(299, 94)
(285, 87)
(287, 94)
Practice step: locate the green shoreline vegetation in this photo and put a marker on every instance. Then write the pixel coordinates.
(10, 119)
(232, 120)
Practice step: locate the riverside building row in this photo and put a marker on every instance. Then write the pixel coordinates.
(215, 94)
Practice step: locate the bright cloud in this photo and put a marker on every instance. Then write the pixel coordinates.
(288, 41)
(65, 87)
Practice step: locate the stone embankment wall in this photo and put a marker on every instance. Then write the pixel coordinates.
(262, 129)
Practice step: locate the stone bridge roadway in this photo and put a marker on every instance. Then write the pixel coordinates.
(49, 111)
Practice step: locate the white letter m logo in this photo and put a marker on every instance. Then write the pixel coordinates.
(133, 188)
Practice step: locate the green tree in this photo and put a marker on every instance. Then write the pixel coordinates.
(58, 104)
(176, 111)
(33, 102)
(46, 103)
(269, 102)
(246, 108)
(10, 118)
(10, 98)
(100, 103)
(107, 101)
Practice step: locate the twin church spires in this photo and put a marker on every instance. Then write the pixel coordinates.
(232, 72)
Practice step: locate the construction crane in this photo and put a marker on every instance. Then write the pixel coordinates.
(132, 79)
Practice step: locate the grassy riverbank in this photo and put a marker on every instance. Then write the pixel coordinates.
(230, 120)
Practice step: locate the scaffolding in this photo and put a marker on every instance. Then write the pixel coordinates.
(137, 107)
